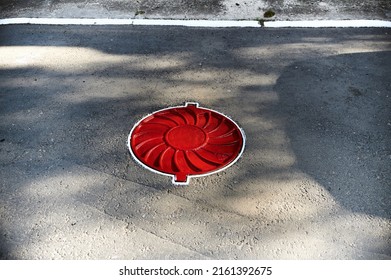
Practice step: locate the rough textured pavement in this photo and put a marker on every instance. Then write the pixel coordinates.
(313, 182)
(199, 9)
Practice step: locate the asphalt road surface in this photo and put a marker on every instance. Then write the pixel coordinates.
(312, 183)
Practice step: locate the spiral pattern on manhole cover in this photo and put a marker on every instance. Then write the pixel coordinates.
(186, 141)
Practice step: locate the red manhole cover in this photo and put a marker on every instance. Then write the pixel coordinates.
(186, 141)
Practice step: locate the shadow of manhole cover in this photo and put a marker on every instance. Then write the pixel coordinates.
(186, 141)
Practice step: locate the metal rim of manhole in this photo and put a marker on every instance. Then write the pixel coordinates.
(186, 141)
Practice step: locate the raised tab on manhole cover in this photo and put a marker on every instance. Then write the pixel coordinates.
(186, 141)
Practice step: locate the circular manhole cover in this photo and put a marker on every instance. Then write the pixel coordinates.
(186, 141)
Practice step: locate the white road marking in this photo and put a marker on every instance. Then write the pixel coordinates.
(198, 23)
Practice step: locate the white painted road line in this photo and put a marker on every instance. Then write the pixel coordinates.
(330, 23)
(158, 22)
(198, 23)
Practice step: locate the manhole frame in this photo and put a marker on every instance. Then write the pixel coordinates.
(173, 176)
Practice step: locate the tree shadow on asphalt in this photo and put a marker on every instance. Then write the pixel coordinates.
(338, 123)
(339, 138)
